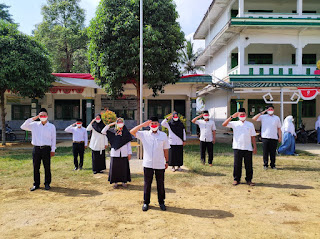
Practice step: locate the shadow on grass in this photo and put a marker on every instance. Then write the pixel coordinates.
(203, 213)
(73, 192)
(299, 169)
(154, 188)
(290, 186)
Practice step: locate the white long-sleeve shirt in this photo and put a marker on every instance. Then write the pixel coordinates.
(98, 141)
(124, 151)
(42, 135)
(173, 138)
(78, 134)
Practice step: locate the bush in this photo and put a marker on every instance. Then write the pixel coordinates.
(108, 117)
(182, 119)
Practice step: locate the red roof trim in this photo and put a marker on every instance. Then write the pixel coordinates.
(85, 76)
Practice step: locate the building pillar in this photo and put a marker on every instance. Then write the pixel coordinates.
(241, 8)
(299, 7)
(299, 53)
(299, 114)
(193, 107)
(89, 110)
(241, 57)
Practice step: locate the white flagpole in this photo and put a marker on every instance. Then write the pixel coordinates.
(141, 60)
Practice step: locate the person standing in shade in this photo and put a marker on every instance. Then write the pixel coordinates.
(155, 158)
(44, 142)
(288, 146)
(207, 136)
(244, 136)
(80, 142)
(98, 144)
(317, 128)
(177, 138)
(120, 154)
(271, 135)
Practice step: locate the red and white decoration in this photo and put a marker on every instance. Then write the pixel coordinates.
(76, 79)
(308, 93)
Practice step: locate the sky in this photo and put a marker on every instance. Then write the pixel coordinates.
(28, 13)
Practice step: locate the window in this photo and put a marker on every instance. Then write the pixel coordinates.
(67, 109)
(308, 59)
(234, 13)
(255, 106)
(259, 59)
(159, 108)
(21, 112)
(126, 114)
(234, 60)
(180, 107)
(294, 11)
(309, 108)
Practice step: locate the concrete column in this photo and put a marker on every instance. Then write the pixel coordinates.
(241, 57)
(299, 7)
(89, 110)
(241, 8)
(193, 114)
(299, 59)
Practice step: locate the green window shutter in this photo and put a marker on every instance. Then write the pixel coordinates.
(270, 71)
(250, 71)
(281, 71)
(261, 71)
(290, 71)
(308, 71)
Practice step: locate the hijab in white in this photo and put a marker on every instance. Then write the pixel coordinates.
(317, 125)
(288, 125)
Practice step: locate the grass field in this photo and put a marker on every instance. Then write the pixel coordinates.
(201, 201)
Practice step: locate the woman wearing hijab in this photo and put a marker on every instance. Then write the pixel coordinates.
(317, 127)
(98, 144)
(288, 139)
(120, 153)
(177, 138)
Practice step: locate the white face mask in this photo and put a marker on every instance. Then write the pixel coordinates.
(98, 121)
(154, 128)
(243, 118)
(79, 125)
(206, 116)
(176, 119)
(120, 125)
(44, 119)
(270, 112)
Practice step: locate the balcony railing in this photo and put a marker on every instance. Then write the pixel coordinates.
(281, 15)
(273, 70)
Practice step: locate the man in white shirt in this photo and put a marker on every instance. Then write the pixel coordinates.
(44, 142)
(207, 136)
(155, 158)
(80, 142)
(271, 135)
(244, 136)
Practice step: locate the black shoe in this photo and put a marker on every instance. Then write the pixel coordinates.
(265, 167)
(34, 188)
(274, 168)
(47, 187)
(80, 168)
(95, 172)
(145, 207)
(163, 207)
(75, 169)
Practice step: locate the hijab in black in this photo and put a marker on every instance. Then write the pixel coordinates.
(177, 127)
(98, 126)
(117, 140)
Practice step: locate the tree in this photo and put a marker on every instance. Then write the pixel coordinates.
(62, 32)
(4, 13)
(114, 45)
(188, 59)
(25, 66)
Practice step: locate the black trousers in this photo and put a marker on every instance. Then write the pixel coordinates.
(38, 154)
(148, 177)
(206, 146)
(78, 149)
(269, 148)
(237, 168)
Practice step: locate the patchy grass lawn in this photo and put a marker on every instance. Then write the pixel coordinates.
(201, 201)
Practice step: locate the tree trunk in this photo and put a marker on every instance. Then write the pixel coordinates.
(3, 117)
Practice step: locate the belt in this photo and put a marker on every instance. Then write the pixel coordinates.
(42, 147)
(78, 142)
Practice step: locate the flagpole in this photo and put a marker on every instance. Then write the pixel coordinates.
(141, 61)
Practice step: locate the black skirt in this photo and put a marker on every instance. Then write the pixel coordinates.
(119, 170)
(98, 161)
(176, 155)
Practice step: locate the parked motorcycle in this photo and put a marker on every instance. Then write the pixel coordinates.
(302, 135)
(10, 135)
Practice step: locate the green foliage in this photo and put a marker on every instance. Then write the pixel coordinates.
(25, 64)
(108, 117)
(182, 119)
(63, 33)
(114, 44)
(188, 59)
(4, 13)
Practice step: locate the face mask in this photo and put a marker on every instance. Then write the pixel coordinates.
(120, 125)
(206, 116)
(79, 125)
(154, 127)
(43, 119)
(175, 118)
(270, 112)
(98, 121)
(243, 118)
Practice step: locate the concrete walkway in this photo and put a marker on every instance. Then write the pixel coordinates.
(310, 148)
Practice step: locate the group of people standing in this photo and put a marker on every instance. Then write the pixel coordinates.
(159, 150)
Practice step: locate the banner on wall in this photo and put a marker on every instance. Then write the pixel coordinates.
(308, 94)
